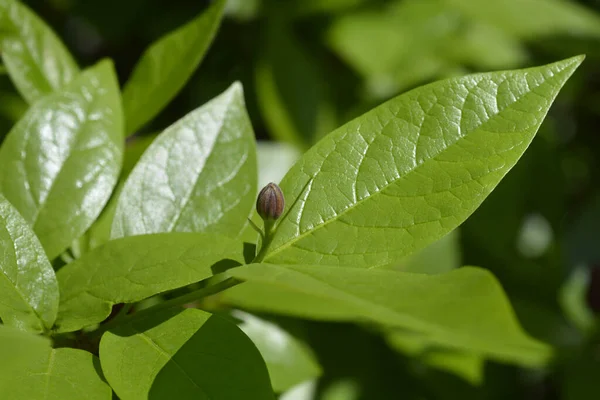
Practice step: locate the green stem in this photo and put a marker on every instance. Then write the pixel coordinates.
(176, 302)
(266, 241)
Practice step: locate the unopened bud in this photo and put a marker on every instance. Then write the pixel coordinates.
(270, 203)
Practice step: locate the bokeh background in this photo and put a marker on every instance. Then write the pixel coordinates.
(308, 66)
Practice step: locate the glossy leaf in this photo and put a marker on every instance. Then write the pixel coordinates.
(167, 65)
(191, 353)
(37, 61)
(53, 374)
(409, 171)
(289, 361)
(131, 269)
(59, 164)
(28, 287)
(464, 309)
(199, 175)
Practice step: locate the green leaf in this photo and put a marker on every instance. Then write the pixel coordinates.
(192, 353)
(167, 65)
(134, 268)
(28, 286)
(59, 164)
(289, 361)
(53, 374)
(464, 309)
(36, 60)
(199, 175)
(411, 170)
(19, 349)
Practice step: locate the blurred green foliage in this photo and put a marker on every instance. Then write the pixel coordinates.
(308, 66)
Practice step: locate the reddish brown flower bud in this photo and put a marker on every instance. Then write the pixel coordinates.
(270, 203)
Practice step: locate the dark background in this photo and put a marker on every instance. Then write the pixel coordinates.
(331, 60)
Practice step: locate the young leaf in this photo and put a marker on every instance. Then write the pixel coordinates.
(134, 268)
(463, 309)
(408, 172)
(167, 65)
(37, 61)
(199, 175)
(28, 286)
(288, 360)
(54, 374)
(192, 353)
(60, 162)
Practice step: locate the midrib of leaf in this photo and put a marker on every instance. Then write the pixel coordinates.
(50, 362)
(408, 173)
(164, 353)
(190, 52)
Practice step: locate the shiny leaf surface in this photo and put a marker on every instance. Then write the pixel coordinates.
(59, 164)
(409, 171)
(199, 175)
(28, 286)
(35, 58)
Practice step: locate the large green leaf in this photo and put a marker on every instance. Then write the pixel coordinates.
(408, 172)
(36, 59)
(289, 361)
(134, 268)
(199, 175)
(191, 353)
(51, 374)
(59, 164)
(463, 309)
(28, 287)
(167, 65)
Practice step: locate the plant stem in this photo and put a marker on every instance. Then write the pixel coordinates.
(266, 241)
(176, 302)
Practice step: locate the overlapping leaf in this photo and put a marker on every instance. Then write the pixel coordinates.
(408, 172)
(134, 268)
(59, 164)
(167, 65)
(28, 287)
(190, 354)
(463, 309)
(199, 175)
(36, 59)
